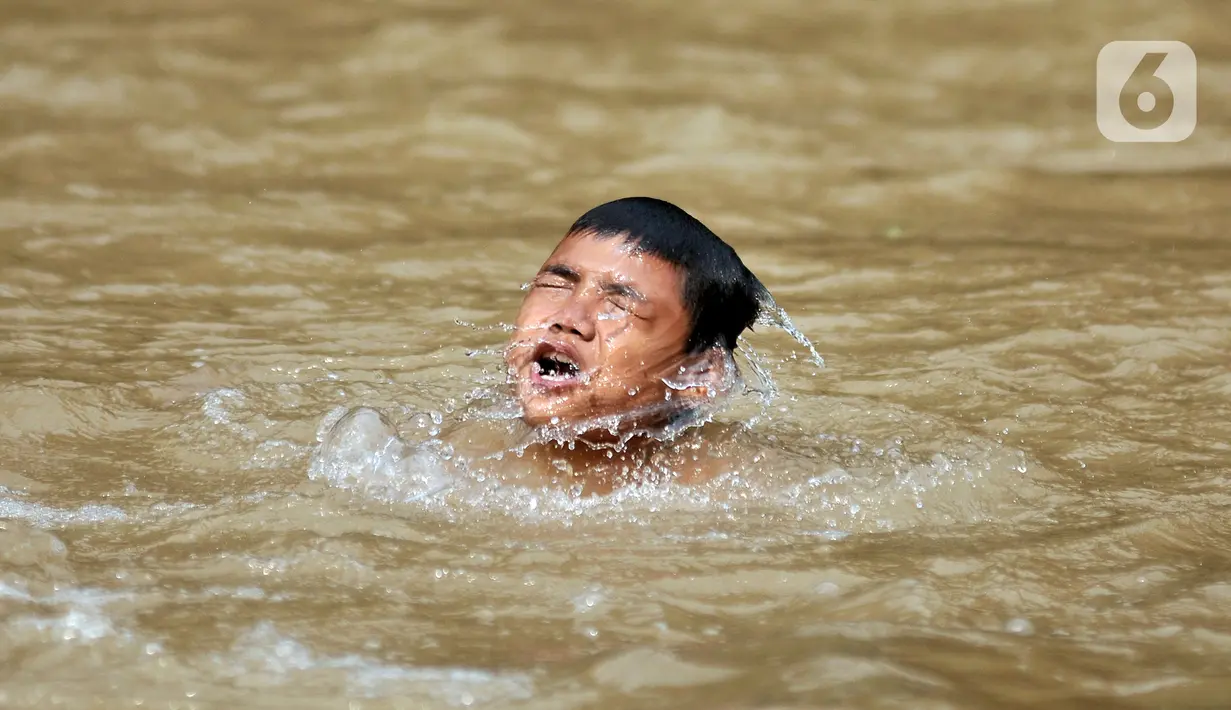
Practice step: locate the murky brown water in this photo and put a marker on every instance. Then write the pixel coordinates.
(224, 221)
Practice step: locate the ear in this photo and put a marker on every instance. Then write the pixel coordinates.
(702, 375)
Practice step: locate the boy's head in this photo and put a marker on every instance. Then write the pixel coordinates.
(635, 313)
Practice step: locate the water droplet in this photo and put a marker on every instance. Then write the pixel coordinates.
(1019, 626)
(827, 588)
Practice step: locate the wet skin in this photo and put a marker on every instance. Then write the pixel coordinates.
(601, 327)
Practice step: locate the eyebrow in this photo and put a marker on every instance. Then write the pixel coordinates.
(564, 272)
(622, 289)
(617, 288)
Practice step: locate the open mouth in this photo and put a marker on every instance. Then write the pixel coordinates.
(556, 367)
(552, 366)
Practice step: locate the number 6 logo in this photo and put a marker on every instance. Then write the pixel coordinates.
(1146, 92)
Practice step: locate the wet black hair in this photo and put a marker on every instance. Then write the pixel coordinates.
(721, 295)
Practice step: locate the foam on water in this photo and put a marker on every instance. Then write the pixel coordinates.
(69, 614)
(263, 656)
(12, 506)
(82, 624)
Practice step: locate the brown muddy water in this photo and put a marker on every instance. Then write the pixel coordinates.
(223, 223)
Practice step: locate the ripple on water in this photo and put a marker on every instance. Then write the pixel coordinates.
(75, 625)
(265, 657)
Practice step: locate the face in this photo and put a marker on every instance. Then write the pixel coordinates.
(600, 329)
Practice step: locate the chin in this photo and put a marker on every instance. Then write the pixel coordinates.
(540, 410)
(564, 418)
(573, 418)
(537, 418)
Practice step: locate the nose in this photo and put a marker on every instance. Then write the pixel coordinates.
(575, 319)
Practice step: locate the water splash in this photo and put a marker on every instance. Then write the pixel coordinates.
(758, 364)
(361, 450)
(821, 481)
(774, 315)
(479, 328)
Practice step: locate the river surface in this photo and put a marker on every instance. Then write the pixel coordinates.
(224, 222)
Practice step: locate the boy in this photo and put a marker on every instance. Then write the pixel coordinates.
(625, 338)
(631, 322)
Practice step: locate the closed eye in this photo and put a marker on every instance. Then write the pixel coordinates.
(556, 276)
(624, 297)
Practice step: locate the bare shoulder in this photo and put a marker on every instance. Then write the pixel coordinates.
(714, 450)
